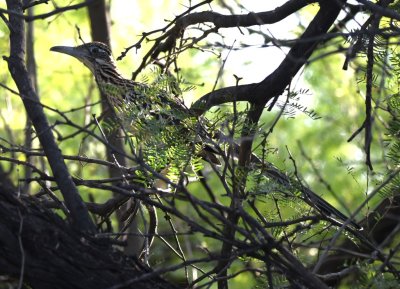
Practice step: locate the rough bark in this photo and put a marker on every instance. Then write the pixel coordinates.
(40, 247)
(16, 64)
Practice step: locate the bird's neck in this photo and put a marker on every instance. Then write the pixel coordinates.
(106, 72)
(117, 89)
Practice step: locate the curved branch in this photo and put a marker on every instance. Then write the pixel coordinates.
(61, 254)
(167, 41)
(226, 21)
(56, 11)
(78, 211)
(377, 8)
(223, 95)
(274, 84)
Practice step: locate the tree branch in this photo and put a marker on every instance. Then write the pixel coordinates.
(78, 212)
(55, 250)
(274, 84)
(226, 21)
(28, 18)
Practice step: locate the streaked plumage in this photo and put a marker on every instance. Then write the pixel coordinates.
(97, 57)
(123, 93)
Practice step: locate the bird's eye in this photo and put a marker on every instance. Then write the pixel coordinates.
(97, 51)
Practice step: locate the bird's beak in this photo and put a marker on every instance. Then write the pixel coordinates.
(69, 50)
(81, 54)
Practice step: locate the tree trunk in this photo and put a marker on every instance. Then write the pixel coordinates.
(46, 252)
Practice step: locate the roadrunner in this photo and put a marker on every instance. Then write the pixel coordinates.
(122, 92)
(97, 57)
(159, 114)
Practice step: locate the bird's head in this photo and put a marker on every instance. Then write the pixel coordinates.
(94, 55)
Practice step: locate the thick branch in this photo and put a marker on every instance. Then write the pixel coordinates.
(225, 21)
(250, 19)
(174, 30)
(28, 18)
(78, 211)
(56, 251)
(384, 11)
(274, 84)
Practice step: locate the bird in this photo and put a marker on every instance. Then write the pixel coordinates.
(98, 58)
(150, 112)
(154, 112)
(122, 93)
